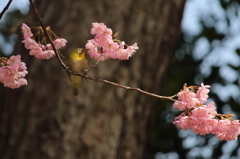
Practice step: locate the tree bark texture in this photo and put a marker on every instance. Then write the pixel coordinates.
(43, 120)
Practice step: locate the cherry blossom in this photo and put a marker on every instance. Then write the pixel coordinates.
(104, 46)
(12, 75)
(40, 49)
(203, 119)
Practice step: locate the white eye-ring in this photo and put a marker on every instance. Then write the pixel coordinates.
(79, 50)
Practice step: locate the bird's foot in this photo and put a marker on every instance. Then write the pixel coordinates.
(66, 68)
(85, 72)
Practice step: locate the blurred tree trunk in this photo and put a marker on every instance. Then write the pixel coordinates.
(44, 120)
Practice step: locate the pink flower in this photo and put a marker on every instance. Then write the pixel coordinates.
(182, 122)
(59, 43)
(186, 99)
(40, 49)
(211, 108)
(191, 102)
(13, 75)
(47, 47)
(203, 125)
(103, 46)
(39, 53)
(47, 54)
(228, 130)
(202, 122)
(14, 61)
(121, 54)
(100, 28)
(36, 51)
(180, 105)
(203, 119)
(110, 46)
(185, 95)
(29, 43)
(131, 49)
(198, 119)
(202, 93)
(26, 31)
(200, 112)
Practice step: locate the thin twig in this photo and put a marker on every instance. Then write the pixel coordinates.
(47, 35)
(62, 55)
(5, 9)
(124, 87)
(94, 65)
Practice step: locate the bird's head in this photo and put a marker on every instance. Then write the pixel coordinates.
(78, 53)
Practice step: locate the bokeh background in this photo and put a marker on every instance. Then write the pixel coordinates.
(209, 52)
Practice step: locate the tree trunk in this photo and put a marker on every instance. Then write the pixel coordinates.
(43, 120)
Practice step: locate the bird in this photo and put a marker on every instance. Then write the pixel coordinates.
(77, 63)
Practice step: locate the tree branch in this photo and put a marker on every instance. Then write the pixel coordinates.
(124, 87)
(47, 35)
(5, 9)
(88, 77)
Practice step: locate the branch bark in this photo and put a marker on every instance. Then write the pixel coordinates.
(5, 8)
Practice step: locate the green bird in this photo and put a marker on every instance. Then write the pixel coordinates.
(77, 63)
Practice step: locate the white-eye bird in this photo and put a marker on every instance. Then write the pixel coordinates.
(77, 63)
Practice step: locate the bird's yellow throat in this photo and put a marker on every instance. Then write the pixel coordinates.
(77, 56)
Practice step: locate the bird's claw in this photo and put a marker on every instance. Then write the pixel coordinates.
(85, 72)
(67, 68)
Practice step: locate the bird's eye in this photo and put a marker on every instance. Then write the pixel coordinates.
(79, 50)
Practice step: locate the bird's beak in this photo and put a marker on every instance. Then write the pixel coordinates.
(85, 51)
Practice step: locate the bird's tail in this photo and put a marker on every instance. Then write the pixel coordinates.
(75, 91)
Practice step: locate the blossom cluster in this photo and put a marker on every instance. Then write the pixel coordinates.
(12, 72)
(40, 49)
(104, 45)
(203, 119)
